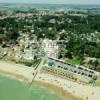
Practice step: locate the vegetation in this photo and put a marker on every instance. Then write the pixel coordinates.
(93, 80)
(29, 63)
(96, 65)
(74, 61)
(81, 32)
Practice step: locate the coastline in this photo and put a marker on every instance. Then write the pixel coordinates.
(57, 90)
(86, 92)
(66, 87)
(17, 71)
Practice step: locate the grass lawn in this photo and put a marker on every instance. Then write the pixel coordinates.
(74, 61)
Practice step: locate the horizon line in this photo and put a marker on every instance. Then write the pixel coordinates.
(47, 3)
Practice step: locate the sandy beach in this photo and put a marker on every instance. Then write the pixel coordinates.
(26, 73)
(19, 71)
(83, 91)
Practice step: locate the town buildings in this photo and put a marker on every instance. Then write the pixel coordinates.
(51, 48)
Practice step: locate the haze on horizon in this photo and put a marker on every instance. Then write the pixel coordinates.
(53, 1)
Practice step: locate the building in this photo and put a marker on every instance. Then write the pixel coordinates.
(50, 48)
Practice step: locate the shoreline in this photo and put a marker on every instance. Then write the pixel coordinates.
(86, 92)
(66, 87)
(57, 90)
(18, 71)
(54, 89)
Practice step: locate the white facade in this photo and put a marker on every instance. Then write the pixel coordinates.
(28, 54)
(51, 48)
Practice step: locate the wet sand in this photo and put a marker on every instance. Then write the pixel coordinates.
(87, 92)
(64, 88)
(65, 95)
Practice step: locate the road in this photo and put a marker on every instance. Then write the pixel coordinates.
(38, 69)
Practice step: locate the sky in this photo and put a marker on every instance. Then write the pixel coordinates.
(53, 1)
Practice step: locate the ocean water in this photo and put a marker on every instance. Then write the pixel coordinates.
(14, 90)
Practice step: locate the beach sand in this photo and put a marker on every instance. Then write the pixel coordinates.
(19, 71)
(86, 92)
(55, 83)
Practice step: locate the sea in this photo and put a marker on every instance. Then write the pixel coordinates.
(11, 89)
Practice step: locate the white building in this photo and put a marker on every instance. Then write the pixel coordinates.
(51, 48)
(28, 54)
